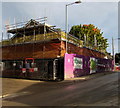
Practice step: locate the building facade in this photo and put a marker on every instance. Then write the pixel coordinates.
(38, 51)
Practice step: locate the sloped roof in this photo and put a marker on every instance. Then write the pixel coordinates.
(31, 23)
(29, 26)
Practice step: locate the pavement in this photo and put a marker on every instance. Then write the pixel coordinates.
(88, 77)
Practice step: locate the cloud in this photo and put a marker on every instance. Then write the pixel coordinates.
(103, 15)
(60, 0)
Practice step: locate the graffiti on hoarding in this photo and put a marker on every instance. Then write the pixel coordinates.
(78, 63)
(93, 65)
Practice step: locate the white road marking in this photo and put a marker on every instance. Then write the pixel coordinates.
(4, 95)
(14, 95)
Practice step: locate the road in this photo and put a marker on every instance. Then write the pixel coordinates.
(101, 91)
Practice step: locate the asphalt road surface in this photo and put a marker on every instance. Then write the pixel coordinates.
(101, 91)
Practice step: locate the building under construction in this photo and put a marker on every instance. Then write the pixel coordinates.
(37, 50)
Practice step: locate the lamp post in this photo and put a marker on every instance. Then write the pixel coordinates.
(66, 24)
(2, 36)
(114, 51)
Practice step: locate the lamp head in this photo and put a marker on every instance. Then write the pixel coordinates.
(78, 2)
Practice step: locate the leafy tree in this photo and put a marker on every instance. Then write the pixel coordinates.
(90, 33)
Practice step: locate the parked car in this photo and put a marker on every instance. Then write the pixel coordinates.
(117, 67)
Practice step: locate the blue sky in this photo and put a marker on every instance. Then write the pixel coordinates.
(104, 15)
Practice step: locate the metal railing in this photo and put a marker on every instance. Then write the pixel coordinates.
(42, 37)
(22, 24)
(47, 37)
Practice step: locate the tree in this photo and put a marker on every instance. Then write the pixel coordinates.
(91, 35)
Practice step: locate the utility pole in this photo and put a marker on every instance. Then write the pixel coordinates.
(113, 53)
(84, 40)
(2, 36)
(95, 40)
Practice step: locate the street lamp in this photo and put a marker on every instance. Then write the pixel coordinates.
(113, 51)
(66, 24)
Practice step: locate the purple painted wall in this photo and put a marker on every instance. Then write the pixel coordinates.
(68, 66)
(71, 70)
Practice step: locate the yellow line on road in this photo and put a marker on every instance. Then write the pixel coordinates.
(4, 95)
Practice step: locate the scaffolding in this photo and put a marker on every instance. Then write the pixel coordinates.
(36, 31)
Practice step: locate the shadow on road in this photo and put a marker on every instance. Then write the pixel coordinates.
(101, 91)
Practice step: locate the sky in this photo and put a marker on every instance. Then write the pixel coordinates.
(102, 13)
